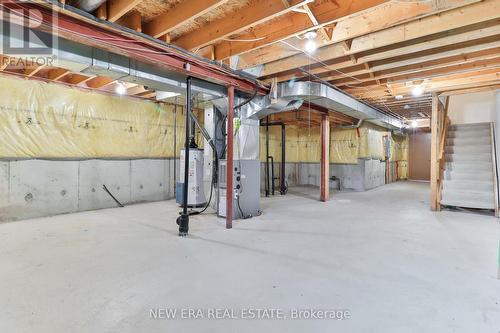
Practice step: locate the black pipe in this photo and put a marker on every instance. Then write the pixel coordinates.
(283, 160)
(283, 187)
(175, 146)
(183, 220)
(272, 173)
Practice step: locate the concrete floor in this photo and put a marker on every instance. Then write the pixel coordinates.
(381, 254)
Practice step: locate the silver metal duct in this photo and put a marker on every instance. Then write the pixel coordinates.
(77, 57)
(332, 99)
(86, 5)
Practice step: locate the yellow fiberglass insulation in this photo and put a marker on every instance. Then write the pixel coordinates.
(40, 120)
(346, 145)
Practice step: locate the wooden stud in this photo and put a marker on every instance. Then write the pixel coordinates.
(132, 21)
(435, 200)
(102, 12)
(118, 8)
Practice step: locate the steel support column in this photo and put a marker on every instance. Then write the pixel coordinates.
(183, 220)
(229, 158)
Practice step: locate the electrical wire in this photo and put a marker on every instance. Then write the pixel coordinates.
(245, 40)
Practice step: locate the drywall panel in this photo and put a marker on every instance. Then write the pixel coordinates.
(472, 108)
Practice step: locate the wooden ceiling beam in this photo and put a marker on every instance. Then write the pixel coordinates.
(56, 74)
(480, 77)
(132, 20)
(294, 25)
(373, 19)
(185, 11)
(452, 19)
(99, 82)
(117, 8)
(76, 79)
(456, 69)
(31, 71)
(464, 59)
(336, 50)
(419, 51)
(257, 12)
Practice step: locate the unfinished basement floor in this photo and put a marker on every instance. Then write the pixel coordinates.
(382, 255)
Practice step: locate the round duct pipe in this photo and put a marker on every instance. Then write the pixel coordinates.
(86, 5)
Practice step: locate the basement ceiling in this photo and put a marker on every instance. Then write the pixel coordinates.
(390, 54)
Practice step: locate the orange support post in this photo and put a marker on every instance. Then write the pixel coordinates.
(325, 158)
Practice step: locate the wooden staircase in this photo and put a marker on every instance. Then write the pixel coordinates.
(463, 162)
(469, 175)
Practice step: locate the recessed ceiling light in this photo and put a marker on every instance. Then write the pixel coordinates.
(414, 123)
(399, 97)
(406, 107)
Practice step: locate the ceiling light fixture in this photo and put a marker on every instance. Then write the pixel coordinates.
(399, 97)
(414, 123)
(417, 91)
(310, 46)
(121, 89)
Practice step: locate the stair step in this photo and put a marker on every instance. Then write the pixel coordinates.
(468, 185)
(476, 176)
(466, 204)
(469, 166)
(456, 157)
(469, 199)
(473, 140)
(467, 134)
(466, 127)
(467, 149)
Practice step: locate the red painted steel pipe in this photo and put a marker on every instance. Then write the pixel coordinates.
(325, 159)
(229, 158)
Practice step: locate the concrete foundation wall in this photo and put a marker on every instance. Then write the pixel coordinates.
(365, 175)
(36, 188)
